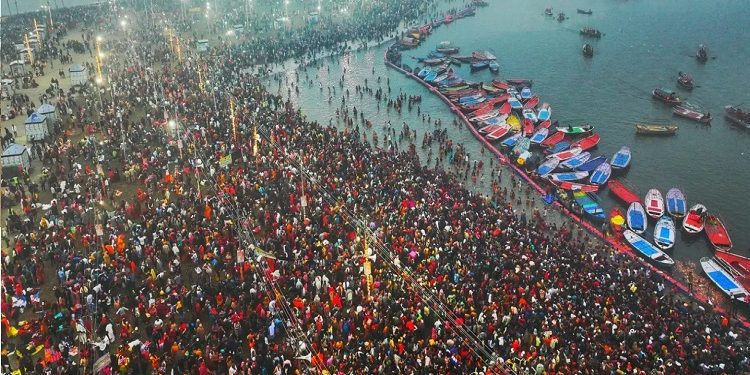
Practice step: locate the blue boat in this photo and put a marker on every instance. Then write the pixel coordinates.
(479, 66)
(494, 67)
(664, 233)
(539, 136)
(592, 164)
(435, 55)
(423, 72)
(576, 161)
(636, 217)
(511, 141)
(601, 174)
(621, 159)
(525, 93)
(590, 204)
(547, 167)
(430, 76)
(676, 203)
(515, 103)
(647, 249)
(724, 280)
(559, 147)
(568, 176)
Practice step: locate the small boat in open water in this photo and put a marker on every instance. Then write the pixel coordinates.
(581, 11)
(685, 81)
(724, 280)
(702, 54)
(738, 116)
(667, 96)
(687, 112)
(656, 129)
(590, 31)
(648, 250)
(717, 233)
(587, 50)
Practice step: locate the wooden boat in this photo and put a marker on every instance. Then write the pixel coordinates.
(512, 140)
(572, 186)
(483, 55)
(487, 129)
(648, 250)
(515, 103)
(561, 17)
(559, 147)
(485, 117)
(589, 204)
(526, 93)
(576, 160)
(685, 81)
(588, 142)
(664, 233)
(433, 62)
(494, 66)
(423, 72)
(581, 11)
(592, 164)
(529, 114)
(539, 136)
(637, 221)
(498, 133)
(514, 122)
(553, 139)
(617, 221)
(656, 129)
(621, 158)
(463, 58)
(505, 108)
(695, 220)
(568, 176)
(531, 103)
(702, 54)
(676, 203)
(567, 154)
(545, 124)
(622, 192)
(737, 116)
(479, 66)
(519, 82)
(500, 84)
(667, 96)
(447, 47)
(522, 146)
(689, 113)
(430, 76)
(576, 129)
(724, 280)
(547, 167)
(591, 32)
(654, 204)
(601, 174)
(548, 12)
(497, 120)
(544, 113)
(717, 233)
(737, 265)
(491, 89)
(587, 50)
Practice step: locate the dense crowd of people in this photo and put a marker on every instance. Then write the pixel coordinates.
(217, 231)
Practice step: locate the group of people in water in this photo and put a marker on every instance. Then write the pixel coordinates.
(245, 239)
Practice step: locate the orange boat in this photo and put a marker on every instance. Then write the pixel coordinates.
(622, 192)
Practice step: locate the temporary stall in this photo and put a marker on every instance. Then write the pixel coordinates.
(37, 127)
(7, 88)
(202, 45)
(17, 68)
(49, 111)
(13, 156)
(79, 75)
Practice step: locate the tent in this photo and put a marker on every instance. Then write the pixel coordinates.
(16, 67)
(13, 156)
(79, 75)
(49, 111)
(23, 55)
(37, 127)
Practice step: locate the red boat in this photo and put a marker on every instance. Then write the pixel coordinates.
(544, 125)
(528, 127)
(464, 92)
(553, 139)
(737, 263)
(532, 102)
(567, 185)
(588, 142)
(622, 192)
(500, 85)
(505, 109)
(689, 113)
(717, 233)
(481, 111)
(617, 221)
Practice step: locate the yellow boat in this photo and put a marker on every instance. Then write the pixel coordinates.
(514, 122)
(655, 129)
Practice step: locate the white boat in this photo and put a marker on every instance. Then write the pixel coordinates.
(664, 233)
(654, 204)
(569, 176)
(646, 249)
(724, 280)
(695, 219)
(498, 133)
(515, 103)
(636, 217)
(576, 161)
(529, 114)
(486, 116)
(547, 167)
(489, 128)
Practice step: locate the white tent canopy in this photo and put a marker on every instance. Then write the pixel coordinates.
(78, 74)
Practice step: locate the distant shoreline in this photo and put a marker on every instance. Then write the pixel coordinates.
(32, 6)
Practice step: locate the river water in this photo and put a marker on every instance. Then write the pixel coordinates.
(644, 45)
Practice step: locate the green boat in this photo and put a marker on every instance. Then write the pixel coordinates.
(576, 129)
(590, 204)
(456, 88)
